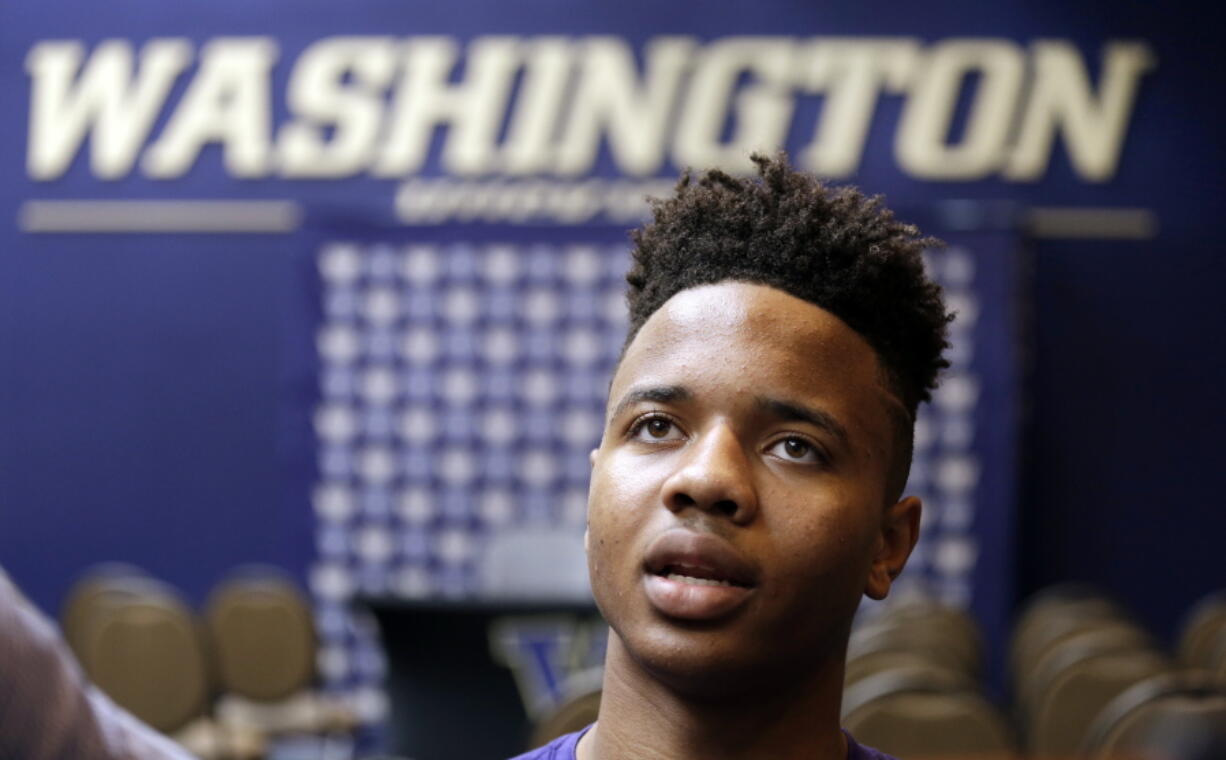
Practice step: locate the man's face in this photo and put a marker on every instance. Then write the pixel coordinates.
(738, 500)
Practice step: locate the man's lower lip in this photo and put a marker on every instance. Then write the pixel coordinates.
(691, 601)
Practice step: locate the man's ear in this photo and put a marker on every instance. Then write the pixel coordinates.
(899, 532)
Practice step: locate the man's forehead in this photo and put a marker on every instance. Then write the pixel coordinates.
(726, 307)
(704, 306)
(762, 334)
(753, 319)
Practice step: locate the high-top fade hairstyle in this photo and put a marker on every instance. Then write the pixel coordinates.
(831, 246)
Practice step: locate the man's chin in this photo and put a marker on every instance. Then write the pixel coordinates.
(695, 661)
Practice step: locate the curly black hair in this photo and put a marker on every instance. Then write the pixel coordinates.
(831, 246)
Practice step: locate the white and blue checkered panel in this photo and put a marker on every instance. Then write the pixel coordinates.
(946, 468)
(461, 387)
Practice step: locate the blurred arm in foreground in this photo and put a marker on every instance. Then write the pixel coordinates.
(47, 707)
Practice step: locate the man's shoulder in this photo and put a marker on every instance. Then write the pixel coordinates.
(857, 751)
(562, 748)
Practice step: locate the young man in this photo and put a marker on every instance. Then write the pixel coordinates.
(747, 489)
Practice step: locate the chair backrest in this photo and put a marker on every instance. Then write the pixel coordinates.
(932, 641)
(1059, 722)
(1048, 614)
(915, 677)
(1102, 637)
(1217, 661)
(262, 633)
(871, 663)
(910, 713)
(1200, 630)
(1187, 728)
(145, 652)
(1175, 715)
(959, 631)
(82, 600)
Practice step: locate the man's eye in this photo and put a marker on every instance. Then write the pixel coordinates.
(656, 429)
(796, 450)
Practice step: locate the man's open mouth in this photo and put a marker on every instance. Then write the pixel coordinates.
(698, 576)
(698, 559)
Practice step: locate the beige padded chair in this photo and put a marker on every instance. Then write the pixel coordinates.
(1050, 613)
(1200, 630)
(955, 626)
(932, 641)
(1059, 722)
(93, 590)
(1059, 631)
(109, 600)
(145, 652)
(872, 663)
(908, 714)
(262, 634)
(1217, 661)
(1100, 637)
(1173, 715)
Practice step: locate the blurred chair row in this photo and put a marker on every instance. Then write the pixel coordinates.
(1087, 682)
(226, 683)
(912, 686)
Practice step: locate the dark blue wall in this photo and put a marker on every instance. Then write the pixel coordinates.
(1127, 417)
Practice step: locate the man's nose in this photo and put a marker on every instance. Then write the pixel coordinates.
(715, 475)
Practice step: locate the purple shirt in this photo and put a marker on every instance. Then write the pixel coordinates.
(563, 748)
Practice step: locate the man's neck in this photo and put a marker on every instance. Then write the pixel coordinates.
(641, 718)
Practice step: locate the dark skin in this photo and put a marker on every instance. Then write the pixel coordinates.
(738, 510)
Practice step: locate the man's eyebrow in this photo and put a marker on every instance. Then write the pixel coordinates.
(661, 394)
(789, 410)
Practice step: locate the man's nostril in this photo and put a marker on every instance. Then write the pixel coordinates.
(727, 507)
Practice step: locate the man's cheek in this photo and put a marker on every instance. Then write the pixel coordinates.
(627, 483)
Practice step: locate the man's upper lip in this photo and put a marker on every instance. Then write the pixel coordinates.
(704, 554)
